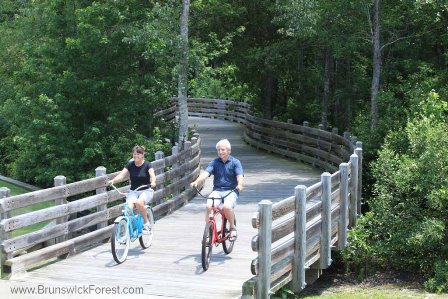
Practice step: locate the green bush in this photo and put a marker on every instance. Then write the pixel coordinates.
(406, 227)
(439, 282)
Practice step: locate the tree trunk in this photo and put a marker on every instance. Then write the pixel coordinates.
(300, 68)
(326, 94)
(270, 96)
(348, 100)
(337, 103)
(376, 64)
(183, 75)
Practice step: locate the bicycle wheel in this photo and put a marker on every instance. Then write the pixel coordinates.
(120, 241)
(227, 245)
(146, 237)
(207, 245)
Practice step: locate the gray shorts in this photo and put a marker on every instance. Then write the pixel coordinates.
(133, 196)
(230, 200)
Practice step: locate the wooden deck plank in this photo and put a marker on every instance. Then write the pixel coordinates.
(171, 267)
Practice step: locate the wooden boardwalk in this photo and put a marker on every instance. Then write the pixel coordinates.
(171, 267)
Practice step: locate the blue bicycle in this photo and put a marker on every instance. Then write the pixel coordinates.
(128, 227)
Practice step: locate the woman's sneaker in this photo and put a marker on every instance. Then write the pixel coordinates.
(147, 227)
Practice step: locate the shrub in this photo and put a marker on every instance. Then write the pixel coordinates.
(406, 228)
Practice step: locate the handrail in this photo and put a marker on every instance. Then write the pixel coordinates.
(295, 235)
(173, 175)
(315, 146)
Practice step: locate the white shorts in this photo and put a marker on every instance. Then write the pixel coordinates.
(134, 195)
(230, 200)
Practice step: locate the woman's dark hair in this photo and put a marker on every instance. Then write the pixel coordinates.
(138, 149)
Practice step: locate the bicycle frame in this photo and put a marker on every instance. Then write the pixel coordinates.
(214, 235)
(128, 227)
(134, 220)
(218, 236)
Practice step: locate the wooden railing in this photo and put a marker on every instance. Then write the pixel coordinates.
(82, 212)
(315, 146)
(296, 235)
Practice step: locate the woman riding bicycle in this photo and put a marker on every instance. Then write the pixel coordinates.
(140, 173)
(228, 175)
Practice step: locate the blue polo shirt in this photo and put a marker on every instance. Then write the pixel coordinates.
(225, 173)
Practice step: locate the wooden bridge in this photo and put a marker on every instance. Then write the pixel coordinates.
(171, 267)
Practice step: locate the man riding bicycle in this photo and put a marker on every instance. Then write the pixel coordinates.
(228, 175)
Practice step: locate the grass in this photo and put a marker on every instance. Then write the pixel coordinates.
(15, 190)
(389, 291)
(334, 284)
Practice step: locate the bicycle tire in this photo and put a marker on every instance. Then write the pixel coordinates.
(207, 245)
(120, 241)
(146, 237)
(227, 245)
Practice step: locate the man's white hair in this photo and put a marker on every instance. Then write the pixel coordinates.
(225, 143)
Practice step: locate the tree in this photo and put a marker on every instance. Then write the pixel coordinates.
(376, 63)
(103, 66)
(183, 74)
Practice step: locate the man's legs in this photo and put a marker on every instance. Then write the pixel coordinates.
(217, 196)
(229, 205)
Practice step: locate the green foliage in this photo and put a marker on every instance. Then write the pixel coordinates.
(78, 78)
(406, 228)
(439, 282)
(219, 83)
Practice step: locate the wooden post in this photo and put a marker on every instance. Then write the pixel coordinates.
(4, 192)
(264, 250)
(195, 139)
(353, 190)
(100, 171)
(187, 147)
(298, 270)
(325, 244)
(358, 152)
(343, 207)
(317, 156)
(175, 151)
(157, 156)
(60, 180)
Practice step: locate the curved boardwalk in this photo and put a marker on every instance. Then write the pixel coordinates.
(171, 267)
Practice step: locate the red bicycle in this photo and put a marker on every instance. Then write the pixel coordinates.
(213, 236)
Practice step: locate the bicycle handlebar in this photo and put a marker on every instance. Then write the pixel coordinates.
(213, 198)
(126, 193)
